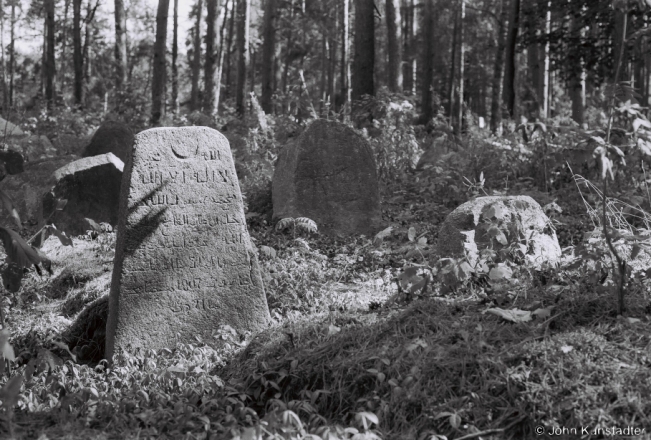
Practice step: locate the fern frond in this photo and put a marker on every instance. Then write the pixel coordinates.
(285, 223)
(306, 224)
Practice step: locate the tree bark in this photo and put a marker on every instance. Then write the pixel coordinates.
(159, 68)
(453, 68)
(64, 46)
(428, 67)
(120, 45)
(196, 60)
(243, 54)
(408, 44)
(5, 91)
(222, 51)
(509, 65)
(394, 46)
(462, 16)
(229, 51)
(50, 68)
(619, 47)
(175, 55)
(496, 110)
(345, 53)
(364, 60)
(78, 59)
(535, 77)
(12, 56)
(90, 15)
(268, 51)
(546, 72)
(211, 58)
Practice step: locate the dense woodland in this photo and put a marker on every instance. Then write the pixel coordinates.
(371, 337)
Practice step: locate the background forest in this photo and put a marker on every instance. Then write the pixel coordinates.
(371, 337)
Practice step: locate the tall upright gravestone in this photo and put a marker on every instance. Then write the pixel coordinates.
(184, 263)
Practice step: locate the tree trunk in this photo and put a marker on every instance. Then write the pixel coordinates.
(453, 68)
(196, 60)
(533, 61)
(12, 56)
(509, 65)
(496, 108)
(620, 59)
(220, 65)
(243, 54)
(462, 16)
(211, 58)
(345, 53)
(576, 84)
(159, 72)
(5, 91)
(364, 60)
(268, 50)
(546, 72)
(50, 68)
(428, 66)
(332, 57)
(394, 46)
(120, 45)
(407, 44)
(175, 55)
(229, 51)
(64, 46)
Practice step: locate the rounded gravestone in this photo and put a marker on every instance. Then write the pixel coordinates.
(328, 174)
(465, 230)
(184, 263)
(111, 137)
(92, 188)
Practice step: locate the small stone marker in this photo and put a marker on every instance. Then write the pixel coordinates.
(329, 175)
(184, 263)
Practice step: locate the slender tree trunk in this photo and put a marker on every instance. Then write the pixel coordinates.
(44, 57)
(50, 68)
(243, 54)
(332, 57)
(175, 55)
(407, 43)
(509, 67)
(120, 45)
(159, 69)
(462, 16)
(546, 72)
(394, 43)
(496, 110)
(78, 59)
(5, 91)
(196, 60)
(619, 46)
(222, 51)
(428, 67)
(288, 59)
(453, 68)
(64, 47)
(533, 61)
(345, 53)
(268, 50)
(12, 56)
(211, 58)
(229, 52)
(577, 94)
(364, 60)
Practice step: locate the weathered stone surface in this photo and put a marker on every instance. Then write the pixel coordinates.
(33, 147)
(92, 187)
(111, 137)
(9, 129)
(26, 189)
(460, 229)
(329, 175)
(184, 262)
(11, 162)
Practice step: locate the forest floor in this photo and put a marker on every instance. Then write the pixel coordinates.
(349, 354)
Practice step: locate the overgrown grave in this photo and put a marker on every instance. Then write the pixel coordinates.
(184, 261)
